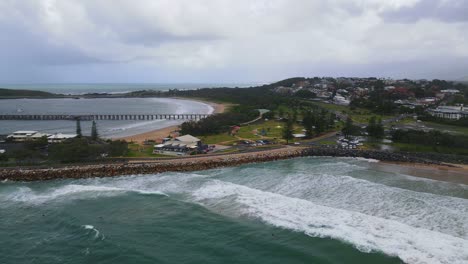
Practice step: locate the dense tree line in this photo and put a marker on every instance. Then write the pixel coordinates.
(81, 149)
(378, 102)
(317, 122)
(350, 129)
(433, 138)
(24, 93)
(219, 123)
(259, 96)
(74, 150)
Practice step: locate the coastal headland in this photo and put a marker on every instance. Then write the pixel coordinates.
(198, 163)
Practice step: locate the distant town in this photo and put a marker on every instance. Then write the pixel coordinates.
(440, 98)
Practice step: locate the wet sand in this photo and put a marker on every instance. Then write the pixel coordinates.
(456, 173)
(164, 132)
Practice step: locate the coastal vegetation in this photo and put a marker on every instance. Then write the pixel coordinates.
(14, 93)
(219, 123)
(297, 110)
(431, 141)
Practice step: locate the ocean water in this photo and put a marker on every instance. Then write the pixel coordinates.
(305, 210)
(113, 88)
(106, 128)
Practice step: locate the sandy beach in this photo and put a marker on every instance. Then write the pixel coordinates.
(161, 133)
(456, 173)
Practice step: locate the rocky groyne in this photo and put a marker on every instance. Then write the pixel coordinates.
(148, 167)
(202, 163)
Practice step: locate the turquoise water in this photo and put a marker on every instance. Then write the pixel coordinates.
(307, 210)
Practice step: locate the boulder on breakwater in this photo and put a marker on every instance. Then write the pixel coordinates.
(202, 163)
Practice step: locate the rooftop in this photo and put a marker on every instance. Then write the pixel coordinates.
(25, 132)
(187, 138)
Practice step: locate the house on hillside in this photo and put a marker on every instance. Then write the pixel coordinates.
(179, 146)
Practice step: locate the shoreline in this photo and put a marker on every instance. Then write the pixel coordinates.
(160, 133)
(390, 162)
(454, 173)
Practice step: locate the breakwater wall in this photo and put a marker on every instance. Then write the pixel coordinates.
(197, 164)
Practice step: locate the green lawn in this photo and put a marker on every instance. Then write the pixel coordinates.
(142, 151)
(333, 107)
(219, 138)
(273, 129)
(447, 128)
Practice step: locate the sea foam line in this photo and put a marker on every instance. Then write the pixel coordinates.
(367, 233)
(26, 194)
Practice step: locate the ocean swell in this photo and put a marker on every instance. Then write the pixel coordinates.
(367, 233)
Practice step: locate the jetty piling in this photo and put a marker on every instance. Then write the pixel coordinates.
(113, 117)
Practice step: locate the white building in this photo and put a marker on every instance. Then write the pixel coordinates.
(22, 135)
(39, 135)
(341, 100)
(59, 137)
(450, 91)
(179, 146)
(449, 112)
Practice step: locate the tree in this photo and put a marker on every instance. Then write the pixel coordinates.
(117, 148)
(3, 157)
(320, 122)
(78, 128)
(379, 129)
(280, 113)
(349, 129)
(94, 132)
(294, 115)
(371, 126)
(305, 94)
(288, 131)
(375, 128)
(308, 122)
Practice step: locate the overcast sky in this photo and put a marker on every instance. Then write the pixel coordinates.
(230, 40)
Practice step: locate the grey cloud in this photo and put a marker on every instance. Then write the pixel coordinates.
(227, 40)
(157, 38)
(20, 47)
(448, 11)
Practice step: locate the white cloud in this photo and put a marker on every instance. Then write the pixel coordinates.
(204, 35)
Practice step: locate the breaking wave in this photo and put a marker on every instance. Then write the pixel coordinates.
(343, 199)
(368, 233)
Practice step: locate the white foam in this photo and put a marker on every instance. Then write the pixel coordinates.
(135, 125)
(96, 232)
(26, 194)
(366, 232)
(368, 160)
(88, 227)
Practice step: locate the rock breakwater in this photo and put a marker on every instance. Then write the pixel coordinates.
(202, 163)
